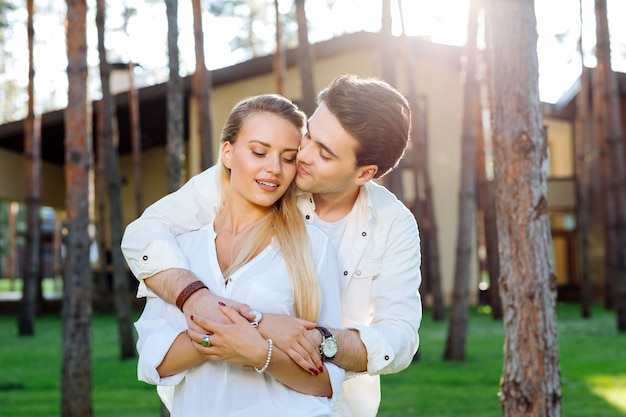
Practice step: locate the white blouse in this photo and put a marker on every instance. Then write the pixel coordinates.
(216, 388)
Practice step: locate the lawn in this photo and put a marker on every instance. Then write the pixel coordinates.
(593, 370)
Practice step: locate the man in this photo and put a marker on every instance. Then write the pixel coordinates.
(358, 133)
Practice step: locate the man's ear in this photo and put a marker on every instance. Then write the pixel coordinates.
(365, 174)
(226, 152)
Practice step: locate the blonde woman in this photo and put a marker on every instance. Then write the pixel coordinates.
(256, 251)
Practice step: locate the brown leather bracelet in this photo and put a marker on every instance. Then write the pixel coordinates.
(186, 293)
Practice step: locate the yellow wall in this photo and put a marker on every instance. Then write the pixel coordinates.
(13, 181)
(561, 143)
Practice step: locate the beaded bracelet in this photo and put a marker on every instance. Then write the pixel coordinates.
(269, 358)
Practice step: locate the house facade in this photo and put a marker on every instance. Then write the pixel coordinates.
(438, 74)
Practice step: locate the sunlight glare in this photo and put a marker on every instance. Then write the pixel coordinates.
(611, 388)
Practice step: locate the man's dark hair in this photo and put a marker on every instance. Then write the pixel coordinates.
(375, 113)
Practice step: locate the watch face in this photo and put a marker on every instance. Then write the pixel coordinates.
(329, 348)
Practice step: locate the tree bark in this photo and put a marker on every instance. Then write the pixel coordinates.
(612, 149)
(583, 137)
(76, 384)
(202, 89)
(174, 103)
(530, 384)
(135, 133)
(107, 134)
(305, 61)
(32, 151)
(457, 331)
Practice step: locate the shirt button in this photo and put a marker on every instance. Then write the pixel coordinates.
(145, 257)
(364, 234)
(386, 357)
(358, 273)
(307, 217)
(345, 273)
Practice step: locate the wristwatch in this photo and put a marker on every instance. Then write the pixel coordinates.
(329, 346)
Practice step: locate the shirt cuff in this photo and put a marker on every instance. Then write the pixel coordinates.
(151, 355)
(158, 256)
(379, 351)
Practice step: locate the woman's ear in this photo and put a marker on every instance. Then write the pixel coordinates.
(226, 153)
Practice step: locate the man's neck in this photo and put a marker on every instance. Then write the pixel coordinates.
(332, 207)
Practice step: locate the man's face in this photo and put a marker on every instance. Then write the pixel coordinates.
(327, 159)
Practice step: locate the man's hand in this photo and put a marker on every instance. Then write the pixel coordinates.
(235, 342)
(169, 283)
(293, 336)
(203, 303)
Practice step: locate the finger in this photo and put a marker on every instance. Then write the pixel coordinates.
(309, 325)
(301, 358)
(204, 326)
(243, 309)
(233, 314)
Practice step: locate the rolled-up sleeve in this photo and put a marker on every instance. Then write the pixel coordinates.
(156, 333)
(392, 337)
(149, 242)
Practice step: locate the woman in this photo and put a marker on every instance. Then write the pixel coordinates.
(257, 251)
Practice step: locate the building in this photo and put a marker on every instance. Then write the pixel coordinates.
(438, 73)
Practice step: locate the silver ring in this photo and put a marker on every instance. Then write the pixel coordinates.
(206, 341)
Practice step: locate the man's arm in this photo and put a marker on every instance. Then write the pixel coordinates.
(149, 242)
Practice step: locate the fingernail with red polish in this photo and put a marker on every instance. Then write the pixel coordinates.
(221, 303)
(321, 369)
(191, 317)
(314, 372)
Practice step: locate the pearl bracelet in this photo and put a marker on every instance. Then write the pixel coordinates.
(269, 358)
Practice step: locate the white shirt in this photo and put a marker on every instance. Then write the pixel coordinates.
(379, 264)
(216, 388)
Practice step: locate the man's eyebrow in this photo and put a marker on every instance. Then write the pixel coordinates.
(320, 144)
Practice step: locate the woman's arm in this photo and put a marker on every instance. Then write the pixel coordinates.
(240, 343)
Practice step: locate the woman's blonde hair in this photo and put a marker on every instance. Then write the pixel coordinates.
(284, 220)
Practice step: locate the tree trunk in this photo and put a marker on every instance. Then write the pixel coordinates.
(280, 64)
(487, 186)
(393, 180)
(530, 384)
(174, 103)
(612, 142)
(121, 292)
(457, 331)
(202, 89)
(76, 387)
(583, 136)
(305, 61)
(32, 150)
(135, 133)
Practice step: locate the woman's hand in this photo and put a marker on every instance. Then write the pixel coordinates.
(235, 342)
(292, 336)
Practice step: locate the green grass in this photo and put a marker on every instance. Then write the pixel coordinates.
(592, 361)
(592, 353)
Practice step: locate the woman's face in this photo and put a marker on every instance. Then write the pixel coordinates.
(262, 161)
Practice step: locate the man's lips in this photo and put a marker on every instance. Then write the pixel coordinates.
(302, 171)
